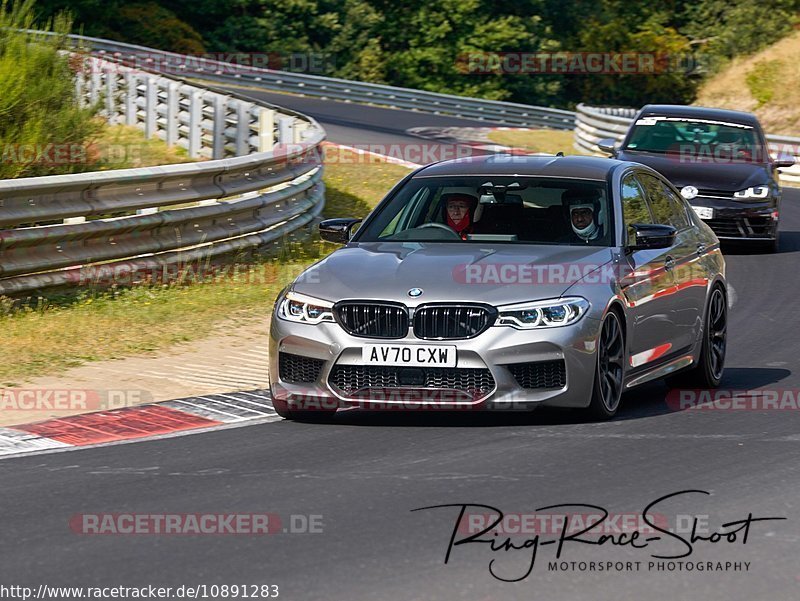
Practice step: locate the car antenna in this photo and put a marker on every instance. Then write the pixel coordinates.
(560, 153)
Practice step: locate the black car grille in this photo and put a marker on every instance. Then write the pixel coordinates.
(349, 379)
(540, 374)
(741, 227)
(297, 369)
(451, 322)
(372, 320)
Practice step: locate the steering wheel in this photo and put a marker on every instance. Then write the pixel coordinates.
(441, 226)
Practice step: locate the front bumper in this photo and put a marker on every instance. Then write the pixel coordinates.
(494, 348)
(744, 220)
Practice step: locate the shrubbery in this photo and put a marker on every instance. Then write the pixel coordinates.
(38, 105)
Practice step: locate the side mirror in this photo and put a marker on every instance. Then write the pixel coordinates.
(784, 160)
(652, 235)
(608, 145)
(337, 230)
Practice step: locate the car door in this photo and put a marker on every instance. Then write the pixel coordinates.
(690, 280)
(648, 285)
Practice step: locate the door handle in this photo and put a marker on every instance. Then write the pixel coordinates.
(669, 263)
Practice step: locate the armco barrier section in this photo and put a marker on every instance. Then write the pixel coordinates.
(62, 230)
(198, 67)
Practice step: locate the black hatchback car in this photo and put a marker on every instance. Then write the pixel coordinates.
(718, 159)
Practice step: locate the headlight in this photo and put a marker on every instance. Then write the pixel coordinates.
(305, 309)
(754, 192)
(543, 314)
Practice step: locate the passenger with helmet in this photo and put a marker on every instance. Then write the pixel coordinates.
(458, 212)
(582, 209)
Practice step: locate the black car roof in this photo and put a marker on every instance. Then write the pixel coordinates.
(582, 167)
(698, 112)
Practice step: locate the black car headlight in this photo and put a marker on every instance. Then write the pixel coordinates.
(305, 309)
(754, 192)
(543, 314)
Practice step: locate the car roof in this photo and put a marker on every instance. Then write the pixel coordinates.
(698, 112)
(580, 167)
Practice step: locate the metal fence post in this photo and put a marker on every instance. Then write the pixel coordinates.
(131, 92)
(285, 130)
(243, 110)
(173, 98)
(95, 79)
(266, 130)
(220, 104)
(195, 123)
(111, 97)
(299, 128)
(79, 89)
(151, 108)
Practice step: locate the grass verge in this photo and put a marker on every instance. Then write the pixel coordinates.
(124, 147)
(46, 336)
(536, 140)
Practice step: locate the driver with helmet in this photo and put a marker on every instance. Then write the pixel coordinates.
(582, 208)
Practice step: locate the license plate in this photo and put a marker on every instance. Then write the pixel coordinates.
(421, 355)
(704, 212)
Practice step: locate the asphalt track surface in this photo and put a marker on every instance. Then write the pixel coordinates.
(365, 474)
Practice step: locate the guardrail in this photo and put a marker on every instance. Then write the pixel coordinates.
(159, 61)
(76, 229)
(592, 124)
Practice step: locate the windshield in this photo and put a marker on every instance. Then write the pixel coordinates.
(697, 137)
(488, 208)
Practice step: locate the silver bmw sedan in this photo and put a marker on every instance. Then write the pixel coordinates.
(504, 283)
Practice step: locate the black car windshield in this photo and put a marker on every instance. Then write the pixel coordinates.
(695, 137)
(489, 208)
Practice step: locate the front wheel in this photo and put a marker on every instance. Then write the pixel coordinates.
(607, 390)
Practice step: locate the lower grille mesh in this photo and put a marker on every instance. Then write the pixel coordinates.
(540, 374)
(297, 369)
(352, 378)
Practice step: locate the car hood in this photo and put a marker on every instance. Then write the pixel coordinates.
(450, 272)
(728, 177)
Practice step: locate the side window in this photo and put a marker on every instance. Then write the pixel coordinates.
(666, 208)
(634, 207)
(408, 214)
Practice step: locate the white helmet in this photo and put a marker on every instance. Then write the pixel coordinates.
(590, 231)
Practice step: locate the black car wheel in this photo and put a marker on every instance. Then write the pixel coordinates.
(607, 390)
(772, 246)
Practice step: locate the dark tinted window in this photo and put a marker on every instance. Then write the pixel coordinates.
(666, 208)
(695, 138)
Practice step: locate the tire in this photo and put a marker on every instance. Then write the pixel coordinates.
(609, 369)
(282, 408)
(707, 372)
(772, 246)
